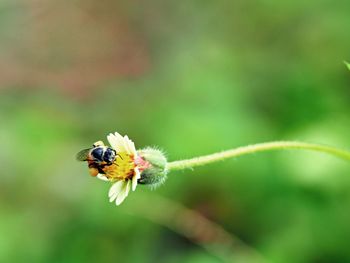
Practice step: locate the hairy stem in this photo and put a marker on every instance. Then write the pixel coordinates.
(260, 147)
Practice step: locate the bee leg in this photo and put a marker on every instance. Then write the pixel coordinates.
(108, 164)
(120, 156)
(93, 171)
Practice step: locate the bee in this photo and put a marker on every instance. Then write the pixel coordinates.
(98, 157)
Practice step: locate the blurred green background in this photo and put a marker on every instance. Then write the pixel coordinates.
(192, 78)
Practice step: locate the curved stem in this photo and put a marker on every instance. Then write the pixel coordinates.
(260, 147)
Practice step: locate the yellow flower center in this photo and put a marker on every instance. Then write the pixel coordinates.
(122, 168)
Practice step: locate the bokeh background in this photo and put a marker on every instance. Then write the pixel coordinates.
(190, 77)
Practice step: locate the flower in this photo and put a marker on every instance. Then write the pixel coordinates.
(123, 172)
(123, 166)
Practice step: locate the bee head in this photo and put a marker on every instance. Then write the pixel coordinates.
(109, 155)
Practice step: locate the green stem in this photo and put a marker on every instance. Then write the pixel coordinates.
(347, 64)
(260, 147)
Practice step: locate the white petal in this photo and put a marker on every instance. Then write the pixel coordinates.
(129, 144)
(115, 190)
(112, 140)
(135, 178)
(113, 197)
(123, 193)
(117, 142)
(102, 177)
(120, 143)
(126, 144)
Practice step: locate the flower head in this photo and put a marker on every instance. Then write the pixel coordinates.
(123, 172)
(123, 166)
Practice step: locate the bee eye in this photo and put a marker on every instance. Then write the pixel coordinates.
(97, 153)
(109, 155)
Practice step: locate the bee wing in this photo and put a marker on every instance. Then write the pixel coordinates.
(82, 155)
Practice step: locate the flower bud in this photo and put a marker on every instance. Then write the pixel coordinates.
(152, 163)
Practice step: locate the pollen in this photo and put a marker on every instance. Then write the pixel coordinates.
(123, 168)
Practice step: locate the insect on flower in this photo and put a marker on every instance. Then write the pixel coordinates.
(123, 166)
(98, 157)
(118, 164)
